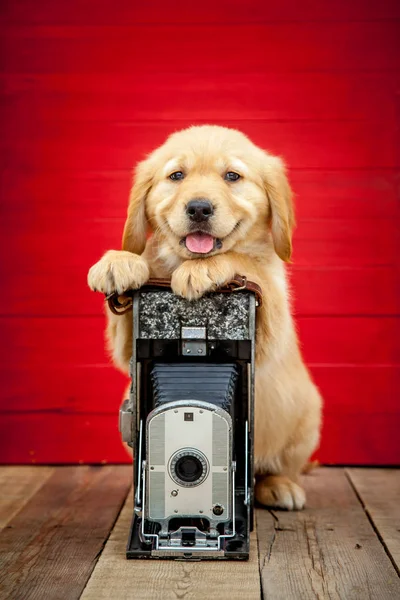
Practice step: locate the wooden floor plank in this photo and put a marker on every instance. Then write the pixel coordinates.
(50, 547)
(329, 550)
(17, 486)
(116, 577)
(379, 491)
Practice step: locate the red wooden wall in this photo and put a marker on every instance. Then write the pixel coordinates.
(88, 87)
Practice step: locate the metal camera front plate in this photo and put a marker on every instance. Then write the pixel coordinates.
(208, 432)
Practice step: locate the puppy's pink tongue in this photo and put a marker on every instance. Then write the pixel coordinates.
(199, 242)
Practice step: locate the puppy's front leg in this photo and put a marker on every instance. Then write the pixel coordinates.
(118, 271)
(194, 278)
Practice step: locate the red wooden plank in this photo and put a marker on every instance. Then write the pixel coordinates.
(271, 96)
(82, 388)
(315, 291)
(355, 340)
(341, 266)
(307, 46)
(358, 389)
(354, 291)
(67, 342)
(83, 99)
(31, 194)
(99, 389)
(52, 438)
(101, 194)
(350, 194)
(109, 146)
(346, 439)
(356, 439)
(52, 342)
(92, 12)
(317, 242)
(347, 242)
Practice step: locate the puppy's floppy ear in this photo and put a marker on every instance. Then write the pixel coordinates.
(279, 193)
(136, 224)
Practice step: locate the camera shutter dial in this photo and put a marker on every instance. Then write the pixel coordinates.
(188, 467)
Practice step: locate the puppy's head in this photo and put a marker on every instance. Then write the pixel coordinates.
(208, 190)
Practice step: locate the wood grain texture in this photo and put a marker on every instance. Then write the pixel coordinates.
(369, 284)
(116, 577)
(379, 492)
(318, 242)
(85, 146)
(302, 96)
(80, 340)
(91, 388)
(340, 267)
(347, 436)
(88, 438)
(91, 12)
(366, 46)
(51, 546)
(87, 90)
(328, 551)
(327, 194)
(354, 361)
(98, 389)
(17, 486)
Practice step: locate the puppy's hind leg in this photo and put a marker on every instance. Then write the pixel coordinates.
(282, 490)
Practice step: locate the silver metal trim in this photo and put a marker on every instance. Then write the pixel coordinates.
(194, 333)
(188, 549)
(138, 500)
(229, 535)
(251, 401)
(194, 348)
(134, 391)
(191, 403)
(125, 422)
(246, 464)
(146, 535)
(213, 552)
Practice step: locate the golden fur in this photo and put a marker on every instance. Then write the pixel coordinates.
(253, 217)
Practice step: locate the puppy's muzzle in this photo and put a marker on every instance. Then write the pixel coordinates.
(199, 210)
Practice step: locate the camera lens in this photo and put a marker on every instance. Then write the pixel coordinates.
(189, 468)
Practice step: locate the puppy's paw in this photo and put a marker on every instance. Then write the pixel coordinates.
(277, 491)
(191, 280)
(194, 278)
(118, 271)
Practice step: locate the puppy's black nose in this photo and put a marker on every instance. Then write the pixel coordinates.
(199, 209)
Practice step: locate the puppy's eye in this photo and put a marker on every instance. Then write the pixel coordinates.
(231, 176)
(177, 176)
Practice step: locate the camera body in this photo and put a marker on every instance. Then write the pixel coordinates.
(189, 419)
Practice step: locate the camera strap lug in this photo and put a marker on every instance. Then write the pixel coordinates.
(194, 341)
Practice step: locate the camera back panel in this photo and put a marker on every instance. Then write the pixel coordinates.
(190, 418)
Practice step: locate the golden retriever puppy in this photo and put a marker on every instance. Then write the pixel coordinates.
(205, 205)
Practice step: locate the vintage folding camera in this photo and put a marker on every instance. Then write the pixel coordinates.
(189, 419)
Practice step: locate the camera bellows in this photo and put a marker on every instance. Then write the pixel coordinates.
(183, 381)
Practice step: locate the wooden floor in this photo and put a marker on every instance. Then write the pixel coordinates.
(63, 532)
